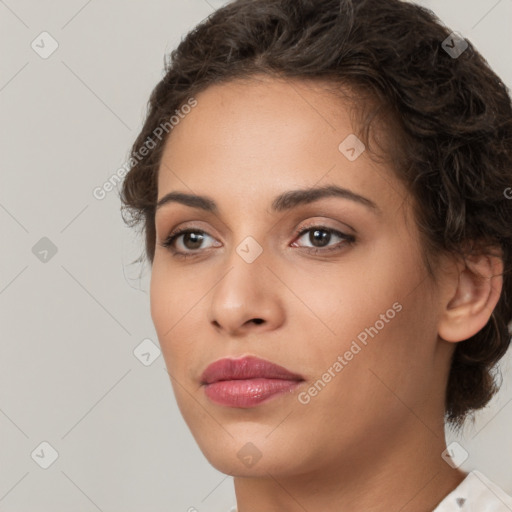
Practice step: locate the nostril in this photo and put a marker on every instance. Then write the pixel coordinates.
(257, 320)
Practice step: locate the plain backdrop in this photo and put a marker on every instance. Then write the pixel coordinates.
(73, 310)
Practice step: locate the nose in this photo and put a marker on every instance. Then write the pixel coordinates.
(246, 298)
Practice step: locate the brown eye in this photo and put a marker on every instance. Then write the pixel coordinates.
(191, 241)
(320, 236)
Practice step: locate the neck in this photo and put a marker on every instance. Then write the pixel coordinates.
(406, 474)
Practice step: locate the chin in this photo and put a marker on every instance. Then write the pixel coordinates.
(246, 455)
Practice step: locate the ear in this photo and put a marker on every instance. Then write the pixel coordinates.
(476, 289)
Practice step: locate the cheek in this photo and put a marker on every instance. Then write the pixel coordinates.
(384, 365)
(173, 295)
(379, 310)
(161, 298)
(171, 308)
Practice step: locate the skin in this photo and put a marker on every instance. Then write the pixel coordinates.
(372, 438)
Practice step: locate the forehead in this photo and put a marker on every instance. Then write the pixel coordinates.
(254, 112)
(263, 135)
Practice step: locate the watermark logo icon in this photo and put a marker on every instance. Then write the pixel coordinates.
(351, 147)
(44, 45)
(249, 249)
(249, 454)
(44, 455)
(454, 455)
(44, 250)
(454, 45)
(147, 352)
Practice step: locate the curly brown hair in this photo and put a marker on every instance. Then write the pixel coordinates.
(451, 117)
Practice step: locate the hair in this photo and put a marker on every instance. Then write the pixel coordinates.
(451, 118)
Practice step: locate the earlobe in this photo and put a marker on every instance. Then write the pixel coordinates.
(478, 289)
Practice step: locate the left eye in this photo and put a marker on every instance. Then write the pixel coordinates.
(323, 235)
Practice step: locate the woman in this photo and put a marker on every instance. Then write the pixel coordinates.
(322, 186)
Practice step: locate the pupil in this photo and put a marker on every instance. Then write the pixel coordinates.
(323, 238)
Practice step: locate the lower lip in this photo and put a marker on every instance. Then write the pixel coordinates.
(247, 392)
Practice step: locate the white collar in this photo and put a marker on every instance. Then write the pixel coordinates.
(476, 493)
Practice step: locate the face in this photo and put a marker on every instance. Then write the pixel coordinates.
(330, 287)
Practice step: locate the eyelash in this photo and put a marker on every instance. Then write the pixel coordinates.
(347, 240)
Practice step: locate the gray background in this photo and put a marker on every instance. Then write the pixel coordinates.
(70, 324)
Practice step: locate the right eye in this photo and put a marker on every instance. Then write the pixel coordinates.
(191, 237)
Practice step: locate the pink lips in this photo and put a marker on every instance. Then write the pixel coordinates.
(246, 382)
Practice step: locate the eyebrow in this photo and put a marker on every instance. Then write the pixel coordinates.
(283, 202)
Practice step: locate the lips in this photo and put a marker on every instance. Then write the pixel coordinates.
(246, 368)
(247, 382)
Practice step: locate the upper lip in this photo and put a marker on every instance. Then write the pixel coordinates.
(248, 367)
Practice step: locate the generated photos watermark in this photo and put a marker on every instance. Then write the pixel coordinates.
(100, 192)
(355, 348)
